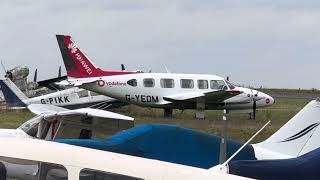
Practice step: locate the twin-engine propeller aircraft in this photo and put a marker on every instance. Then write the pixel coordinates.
(72, 98)
(160, 90)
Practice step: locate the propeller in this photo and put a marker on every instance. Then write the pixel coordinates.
(35, 75)
(122, 67)
(254, 105)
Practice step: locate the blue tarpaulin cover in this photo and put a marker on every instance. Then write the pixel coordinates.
(303, 167)
(167, 143)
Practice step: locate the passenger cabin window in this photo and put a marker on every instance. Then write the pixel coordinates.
(167, 83)
(218, 84)
(186, 83)
(148, 82)
(132, 82)
(44, 171)
(83, 93)
(89, 174)
(202, 84)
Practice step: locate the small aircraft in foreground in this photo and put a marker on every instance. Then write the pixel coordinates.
(161, 90)
(179, 145)
(32, 159)
(72, 98)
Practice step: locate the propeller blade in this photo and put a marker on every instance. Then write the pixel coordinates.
(59, 72)
(35, 75)
(254, 108)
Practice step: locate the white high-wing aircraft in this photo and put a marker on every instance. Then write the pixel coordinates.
(72, 98)
(52, 122)
(161, 90)
(31, 159)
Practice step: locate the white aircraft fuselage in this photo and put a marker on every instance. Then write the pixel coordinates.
(120, 87)
(70, 98)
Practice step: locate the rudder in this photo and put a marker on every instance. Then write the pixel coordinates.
(292, 138)
(77, 64)
(12, 94)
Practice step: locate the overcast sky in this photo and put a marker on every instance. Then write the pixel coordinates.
(260, 43)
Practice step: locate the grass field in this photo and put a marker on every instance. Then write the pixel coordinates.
(240, 127)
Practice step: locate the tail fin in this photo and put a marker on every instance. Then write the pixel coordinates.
(12, 94)
(299, 135)
(77, 64)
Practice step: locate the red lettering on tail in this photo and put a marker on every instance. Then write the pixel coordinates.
(78, 65)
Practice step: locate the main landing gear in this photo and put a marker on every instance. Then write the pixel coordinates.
(167, 112)
(201, 106)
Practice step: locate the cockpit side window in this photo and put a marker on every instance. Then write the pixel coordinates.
(31, 127)
(218, 84)
(132, 82)
(231, 86)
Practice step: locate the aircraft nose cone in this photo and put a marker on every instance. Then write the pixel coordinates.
(269, 100)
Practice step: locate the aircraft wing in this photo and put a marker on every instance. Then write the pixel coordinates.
(49, 111)
(213, 96)
(79, 82)
(49, 83)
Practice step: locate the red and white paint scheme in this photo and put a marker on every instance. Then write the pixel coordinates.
(161, 90)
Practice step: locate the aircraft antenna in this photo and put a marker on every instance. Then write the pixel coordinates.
(167, 70)
(3, 67)
(122, 67)
(234, 154)
(35, 77)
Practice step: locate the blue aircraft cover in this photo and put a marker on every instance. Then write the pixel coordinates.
(167, 143)
(303, 167)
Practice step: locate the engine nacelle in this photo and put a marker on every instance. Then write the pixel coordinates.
(18, 73)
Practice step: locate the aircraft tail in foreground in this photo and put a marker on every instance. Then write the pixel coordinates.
(12, 94)
(77, 64)
(299, 135)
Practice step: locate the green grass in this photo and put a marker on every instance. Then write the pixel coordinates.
(13, 118)
(240, 127)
